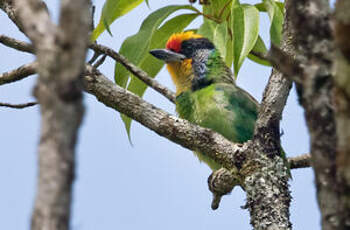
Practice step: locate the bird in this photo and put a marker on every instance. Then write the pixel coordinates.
(206, 92)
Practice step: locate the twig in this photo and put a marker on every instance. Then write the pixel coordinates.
(8, 8)
(94, 57)
(18, 106)
(16, 44)
(282, 62)
(139, 73)
(19, 73)
(100, 61)
(260, 55)
(302, 161)
(285, 63)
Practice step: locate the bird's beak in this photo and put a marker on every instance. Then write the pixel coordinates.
(167, 55)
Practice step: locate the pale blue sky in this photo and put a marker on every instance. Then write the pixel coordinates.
(154, 184)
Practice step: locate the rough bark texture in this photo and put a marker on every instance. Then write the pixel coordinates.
(342, 103)
(311, 20)
(19, 73)
(18, 45)
(60, 54)
(266, 176)
(301, 161)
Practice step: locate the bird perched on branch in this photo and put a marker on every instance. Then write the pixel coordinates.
(206, 93)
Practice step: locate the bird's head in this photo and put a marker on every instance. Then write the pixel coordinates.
(179, 53)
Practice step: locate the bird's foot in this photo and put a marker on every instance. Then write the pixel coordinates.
(221, 182)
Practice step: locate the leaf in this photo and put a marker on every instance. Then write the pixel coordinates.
(113, 9)
(261, 6)
(219, 9)
(207, 29)
(259, 47)
(276, 17)
(217, 32)
(147, 3)
(245, 29)
(136, 49)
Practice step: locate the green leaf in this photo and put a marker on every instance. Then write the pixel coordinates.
(147, 3)
(276, 17)
(136, 48)
(113, 9)
(245, 29)
(219, 9)
(259, 47)
(207, 29)
(261, 6)
(218, 34)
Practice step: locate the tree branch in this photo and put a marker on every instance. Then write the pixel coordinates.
(142, 75)
(8, 7)
(18, 106)
(61, 52)
(311, 20)
(19, 73)
(16, 44)
(268, 183)
(302, 161)
(342, 104)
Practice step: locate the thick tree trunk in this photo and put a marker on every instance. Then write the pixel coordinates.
(342, 103)
(60, 54)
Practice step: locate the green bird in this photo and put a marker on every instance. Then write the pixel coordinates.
(206, 93)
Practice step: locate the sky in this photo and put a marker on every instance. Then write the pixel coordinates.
(152, 184)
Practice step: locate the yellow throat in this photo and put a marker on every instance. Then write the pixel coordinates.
(181, 72)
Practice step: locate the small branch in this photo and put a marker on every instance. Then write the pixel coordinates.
(100, 61)
(283, 62)
(19, 73)
(260, 55)
(302, 161)
(94, 57)
(139, 73)
(16, 44)
(18, 106)
(8, 8)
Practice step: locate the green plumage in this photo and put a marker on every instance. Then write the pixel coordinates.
(219, 105)
(207, 93)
